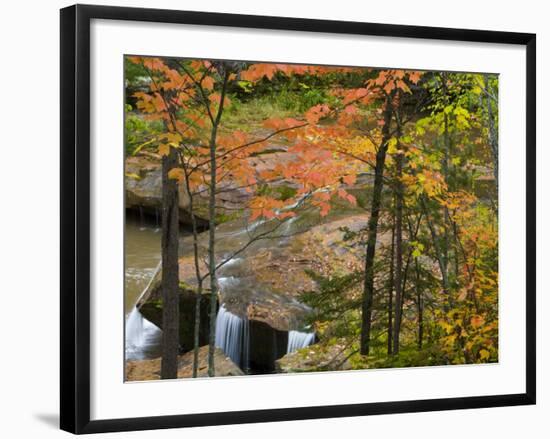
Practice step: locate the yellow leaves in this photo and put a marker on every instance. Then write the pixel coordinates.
(463, 294)
(447, 327)
(132, 176)
(431, 183)
(170, 140)
(484, 354)
(177, 174)
(392, 145)
(418, 248)
(145, 102)
(164, 149)
(462, 117)
(171, 137)
(358, 147)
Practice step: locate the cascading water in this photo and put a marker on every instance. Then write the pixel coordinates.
(142, 336)
(298, 340)
(232, 336)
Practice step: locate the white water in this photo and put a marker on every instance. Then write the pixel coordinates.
(298, 340)
(232, 336)
(227, 282)
(141, 336)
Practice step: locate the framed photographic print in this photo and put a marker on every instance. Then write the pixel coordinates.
(267, 218)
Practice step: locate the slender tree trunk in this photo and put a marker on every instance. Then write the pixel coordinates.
(390, 290)
(212, 253)
(446, 174)
(438, 253)
(212, 229)
(456, 251)
(493, 134)
(420, 306)
(413, 233)
(398, 254)
(198, 276)
(170, 277)
(372, 230)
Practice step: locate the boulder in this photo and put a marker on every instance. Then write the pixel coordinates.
(150, 307)
(315, 358)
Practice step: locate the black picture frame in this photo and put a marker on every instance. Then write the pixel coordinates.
(75, 217)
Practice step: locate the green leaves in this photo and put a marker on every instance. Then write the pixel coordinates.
(418, 248)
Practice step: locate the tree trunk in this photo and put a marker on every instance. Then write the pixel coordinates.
(398, 254)
(438, 253)
(212, 254)
(212, 229)
(420, 306)
(390, 290)
(446, 174)
(198, 276)
(493, 134)
(170, 276)
(372, 230)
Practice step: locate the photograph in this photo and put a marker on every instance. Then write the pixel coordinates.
(287, 218)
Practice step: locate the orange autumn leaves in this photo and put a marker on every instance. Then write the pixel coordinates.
(327, 152)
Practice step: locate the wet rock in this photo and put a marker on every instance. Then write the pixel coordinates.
(151, 308)
(145, 370)
(315, 358)
(266, 345)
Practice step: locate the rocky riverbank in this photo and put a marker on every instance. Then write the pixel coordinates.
(145, 370)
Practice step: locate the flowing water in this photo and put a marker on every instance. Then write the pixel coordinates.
(143, 254)
(232, 336)
(142, 247)
(298, 340)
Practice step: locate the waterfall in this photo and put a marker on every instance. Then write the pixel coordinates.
(298, 340)
(134, 328)
(232, 336)
(141, 335)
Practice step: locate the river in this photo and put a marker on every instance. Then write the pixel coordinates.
(142, 256)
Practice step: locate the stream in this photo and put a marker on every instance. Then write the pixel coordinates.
(234, 333)
(142, 256)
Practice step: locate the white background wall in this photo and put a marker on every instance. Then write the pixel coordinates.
(29, 223)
